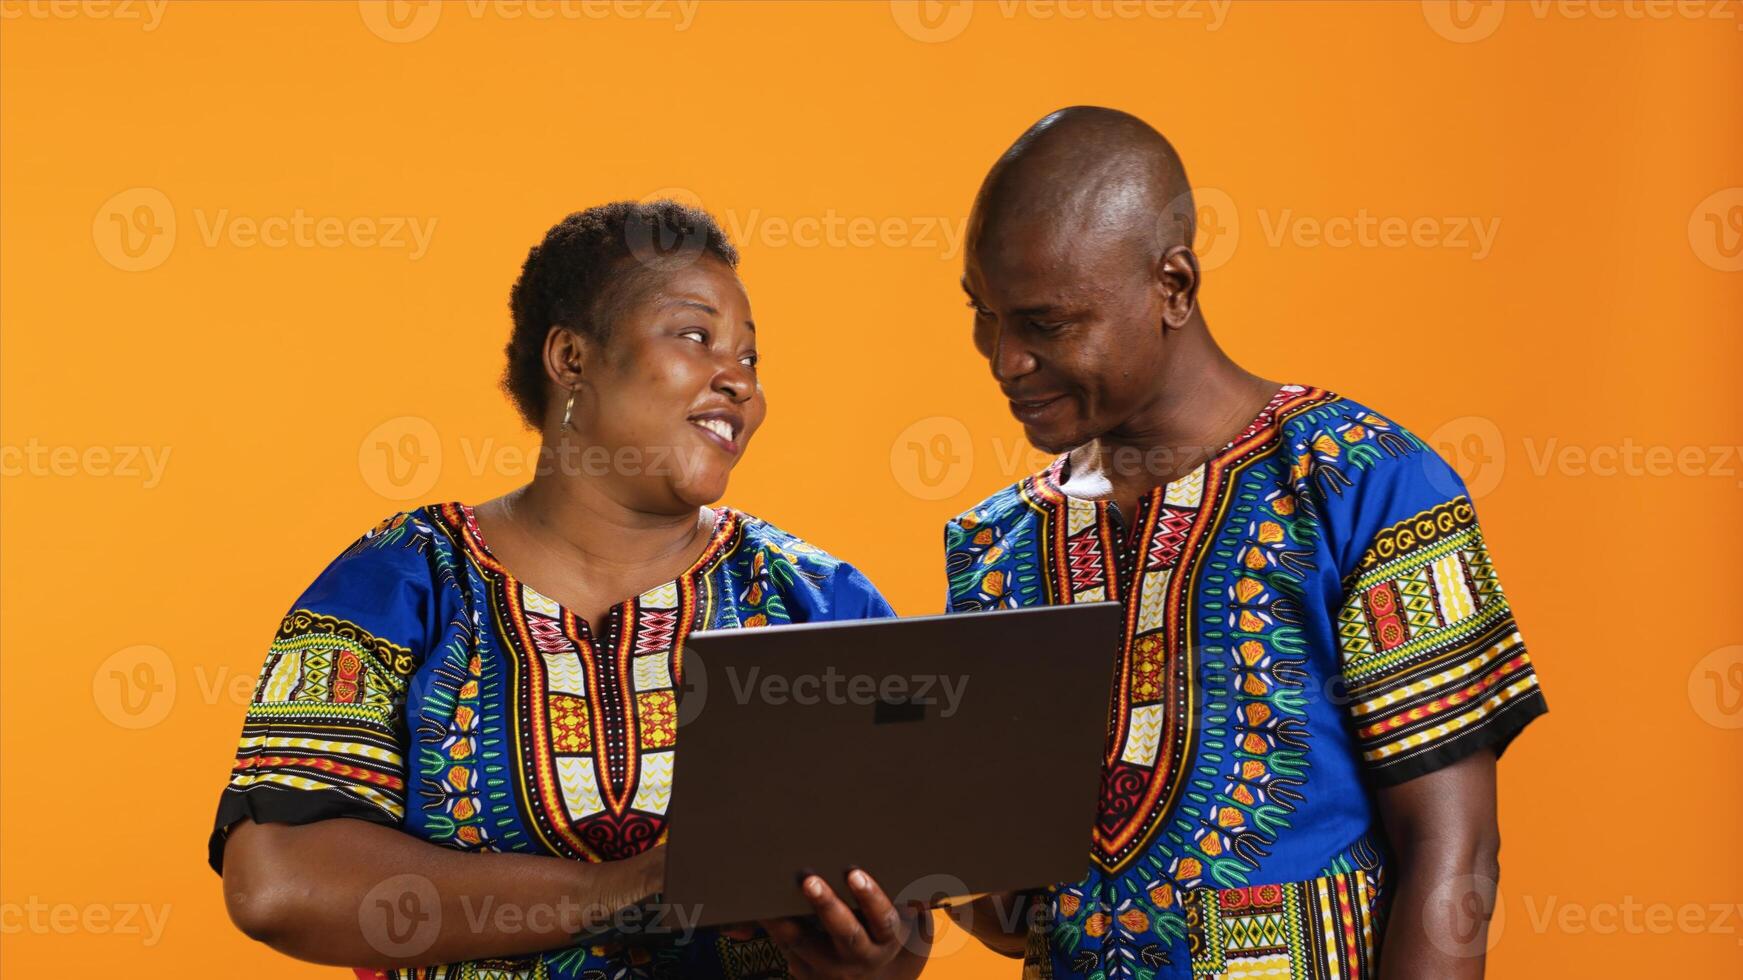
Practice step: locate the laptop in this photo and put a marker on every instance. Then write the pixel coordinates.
(947, 756)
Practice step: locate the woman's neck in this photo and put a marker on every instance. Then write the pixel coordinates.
(582, 526)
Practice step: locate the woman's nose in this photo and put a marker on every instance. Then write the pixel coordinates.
(735, 382)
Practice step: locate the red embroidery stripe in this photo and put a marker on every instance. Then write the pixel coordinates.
(325, 765)
(1454, 700)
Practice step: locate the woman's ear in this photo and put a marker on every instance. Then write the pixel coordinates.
(567, 357)
(1177, 279)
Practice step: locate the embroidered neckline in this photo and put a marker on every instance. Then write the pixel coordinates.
(725, 523)
(1052, 479)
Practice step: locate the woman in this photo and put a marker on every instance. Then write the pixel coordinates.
(459, 753)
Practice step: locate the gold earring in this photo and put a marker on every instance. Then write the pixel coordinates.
(568, 410)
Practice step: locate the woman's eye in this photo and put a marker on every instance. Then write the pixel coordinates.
(750, 360)
(700, 336)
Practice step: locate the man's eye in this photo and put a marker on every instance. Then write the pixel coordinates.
(750, 360)
(698, 335)
(1046, 326)
(980, 311)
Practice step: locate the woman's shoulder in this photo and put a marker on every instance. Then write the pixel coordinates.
(759, 541)
(827, 586)
(415, 545)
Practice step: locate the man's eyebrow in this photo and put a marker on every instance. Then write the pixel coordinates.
(1032, 310)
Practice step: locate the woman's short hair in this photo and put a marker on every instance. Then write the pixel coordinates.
(583, 273)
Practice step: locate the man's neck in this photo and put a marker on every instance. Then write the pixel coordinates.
(1202, 401)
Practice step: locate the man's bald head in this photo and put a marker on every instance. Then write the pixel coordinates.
(1087, 174)
(1081, 274)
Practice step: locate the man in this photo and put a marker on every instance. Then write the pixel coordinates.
(1317, 669)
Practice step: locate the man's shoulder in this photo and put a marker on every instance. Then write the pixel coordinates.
(1008, 506)
(1333, 441)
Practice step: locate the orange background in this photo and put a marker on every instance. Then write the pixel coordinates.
(1604, 313)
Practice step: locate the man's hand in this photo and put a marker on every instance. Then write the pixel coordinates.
(889, 943)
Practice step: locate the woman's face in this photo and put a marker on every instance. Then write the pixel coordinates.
(668, 405)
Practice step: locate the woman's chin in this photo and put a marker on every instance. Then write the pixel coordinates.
(702, 489)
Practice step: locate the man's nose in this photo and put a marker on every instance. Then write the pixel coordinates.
(1011, 359)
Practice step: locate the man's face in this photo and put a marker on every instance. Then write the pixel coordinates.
(1071, 325)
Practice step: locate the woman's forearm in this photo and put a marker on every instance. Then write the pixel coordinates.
(354, 893)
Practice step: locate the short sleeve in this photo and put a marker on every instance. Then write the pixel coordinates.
(1433, 662)
(324, 733)
(853, 596)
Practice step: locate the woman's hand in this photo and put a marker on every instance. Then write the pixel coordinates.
(890, 943)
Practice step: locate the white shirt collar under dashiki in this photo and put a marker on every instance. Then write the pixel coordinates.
(1309, 614)
(418, 684)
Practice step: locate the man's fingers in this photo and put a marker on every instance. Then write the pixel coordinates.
(798, 946)
(845, 932)
(881, 920)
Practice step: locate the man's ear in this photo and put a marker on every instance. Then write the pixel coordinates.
(1177, 279)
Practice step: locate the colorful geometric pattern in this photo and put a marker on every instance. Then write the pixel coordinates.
(418, 683)
(1431, 652)
(1309, 930)
(1233, 758)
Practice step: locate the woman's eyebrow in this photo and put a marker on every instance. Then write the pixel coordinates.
(695, 304)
